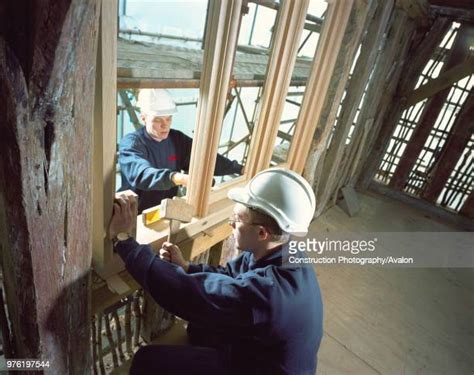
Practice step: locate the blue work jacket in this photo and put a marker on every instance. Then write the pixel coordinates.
(146, 165)
(270, 314)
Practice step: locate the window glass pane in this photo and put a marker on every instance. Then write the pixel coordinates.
(160, 40)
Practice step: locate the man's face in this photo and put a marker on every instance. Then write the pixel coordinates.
(157, 126)
(246, 235)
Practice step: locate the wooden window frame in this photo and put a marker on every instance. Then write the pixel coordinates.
(211, 204)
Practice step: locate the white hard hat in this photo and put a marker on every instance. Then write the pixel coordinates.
(156, 102)
(281, 194)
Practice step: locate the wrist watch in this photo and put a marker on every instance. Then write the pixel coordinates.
(121, 236)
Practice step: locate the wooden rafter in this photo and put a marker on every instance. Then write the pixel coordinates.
(456, 14)
(354, 92)
(149, 65)
(443, 81)
(453, 149)
(412, 64)
(459, 52)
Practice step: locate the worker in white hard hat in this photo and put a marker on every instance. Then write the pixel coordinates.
(152, 159)
(256, 315)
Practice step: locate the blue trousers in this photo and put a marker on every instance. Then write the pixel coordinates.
(178, 359)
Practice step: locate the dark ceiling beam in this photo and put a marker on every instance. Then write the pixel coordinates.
(465, 4)
(456, 13)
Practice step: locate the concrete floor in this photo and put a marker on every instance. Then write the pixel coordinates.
(397, 320)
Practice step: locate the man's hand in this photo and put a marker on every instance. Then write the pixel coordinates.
(124, 215)
(171, 253)
(180, 179)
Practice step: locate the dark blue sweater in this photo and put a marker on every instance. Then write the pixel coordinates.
(146, 165)
(269, 314)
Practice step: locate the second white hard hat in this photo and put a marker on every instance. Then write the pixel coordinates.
(283, 195)
(156, 102)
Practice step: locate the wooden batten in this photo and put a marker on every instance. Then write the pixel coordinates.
(105, 135)
(221, 40)
(318, 83)
(443, 81)
(291, 17)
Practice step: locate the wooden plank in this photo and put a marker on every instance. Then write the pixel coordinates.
(358, 148)
(354, 93)
(445, 80)
(157, 83)
(105, 134)
(453, 148)
(334, 357)
(221, 41)
(289, 28)
(365, 322)
(150, 64)
(156, 233)
(317, 88)
(47, 64)
(431, 111)
(424, 43)
(381, 90)
(219, 193)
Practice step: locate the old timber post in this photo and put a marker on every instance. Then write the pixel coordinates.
(47, 75)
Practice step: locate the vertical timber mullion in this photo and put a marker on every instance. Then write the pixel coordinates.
(105, 133)
(318, 82)
(220, 44)
(291, 19)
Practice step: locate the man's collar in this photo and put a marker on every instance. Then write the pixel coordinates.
(274, 258)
